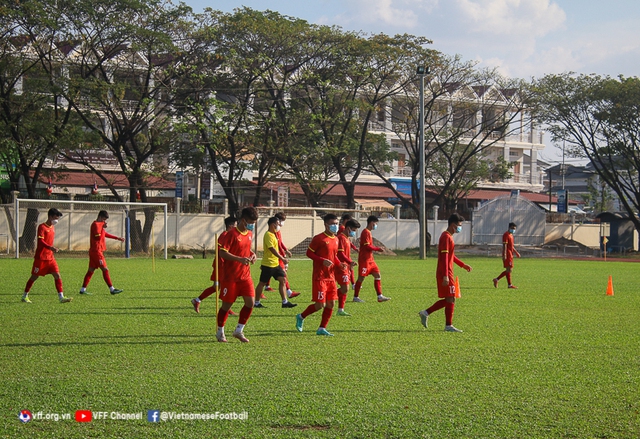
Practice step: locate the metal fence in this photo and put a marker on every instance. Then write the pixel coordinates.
(492, 219)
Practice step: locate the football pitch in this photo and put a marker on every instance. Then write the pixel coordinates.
(556, 358)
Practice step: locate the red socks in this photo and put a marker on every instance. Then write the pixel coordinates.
(356, 290)
(29, 285)
(222, 317)
(107, 278)
(377, 285)
(448, 312)
(307, 312)
(58, 283)
(436, 306)
(342, 299)
(326, 316)
(206, 293)
(245, 313)
(87, 279)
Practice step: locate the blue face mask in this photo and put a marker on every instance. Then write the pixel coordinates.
(251, 227)
(512, 231)
(352, 234)
(375, 226)
(458, 229)
(333, 228)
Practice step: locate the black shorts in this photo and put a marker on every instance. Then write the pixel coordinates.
(267, 273)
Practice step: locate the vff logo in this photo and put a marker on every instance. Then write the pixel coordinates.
(25, 416)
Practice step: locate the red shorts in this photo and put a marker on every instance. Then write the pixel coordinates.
(368, 267)
(324, 291)
(448, 291)
(96, 260)
(507, 263)
(42, 268)
(231, 290)
(343, 277)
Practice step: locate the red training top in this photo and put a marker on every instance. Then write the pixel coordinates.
(236, 243)
(44, 250)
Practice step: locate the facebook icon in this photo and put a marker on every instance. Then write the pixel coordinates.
(153, 415)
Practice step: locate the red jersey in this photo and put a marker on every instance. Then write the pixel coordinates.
(238, 244)
(98, 235)
(282, 249)
(446, 257)
(220, 261)
(507, 249)
(323, 247)
(46, 233)
(366, 247)
(344, 254)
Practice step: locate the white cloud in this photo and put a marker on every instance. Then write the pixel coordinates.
(398, 14)
(512, 17)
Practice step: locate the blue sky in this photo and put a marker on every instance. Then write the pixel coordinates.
(522, 38)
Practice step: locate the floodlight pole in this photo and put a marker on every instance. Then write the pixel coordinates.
(422, 71)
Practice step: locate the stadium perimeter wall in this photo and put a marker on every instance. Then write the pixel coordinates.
(197, 231)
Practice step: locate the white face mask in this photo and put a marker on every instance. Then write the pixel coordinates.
(277, 228)
(54, 222)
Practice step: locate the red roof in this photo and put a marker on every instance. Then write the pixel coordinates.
(335, 189)
(86, 179)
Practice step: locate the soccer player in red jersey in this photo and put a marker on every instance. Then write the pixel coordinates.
(444, 275)
(366, 264)
(508, 250)
(343, 220)
(43, 261)
(97, 247)
(323, 251)
(343, 275)
(230, 223)
(235, 279)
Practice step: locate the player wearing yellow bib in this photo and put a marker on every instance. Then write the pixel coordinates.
(270, 266)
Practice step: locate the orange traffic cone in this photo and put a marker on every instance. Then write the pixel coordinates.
(610, 287)
(457, 288)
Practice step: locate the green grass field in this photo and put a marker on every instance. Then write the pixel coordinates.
(556, 358)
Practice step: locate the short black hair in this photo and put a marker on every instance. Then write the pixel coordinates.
(372, 219)
(345, 217)
(329, 217)
(513, 226)
(228, 221)
(249, 213)
(352, 224)
(103, 214)
(54, 212)
(281, 216)
(455, 218)
(273, 220)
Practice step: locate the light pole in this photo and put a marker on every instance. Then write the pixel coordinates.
(421, 71)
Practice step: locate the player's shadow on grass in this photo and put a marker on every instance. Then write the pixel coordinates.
(126, 311)
(157, 339)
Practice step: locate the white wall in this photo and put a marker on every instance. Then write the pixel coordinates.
(193, 231)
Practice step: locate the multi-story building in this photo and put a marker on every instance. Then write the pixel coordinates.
(518, 142)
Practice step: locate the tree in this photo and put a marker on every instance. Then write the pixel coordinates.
(35, 119)
(346, 89)
(469, 114)
(121, 78)
(599, 118)
(227, 109)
